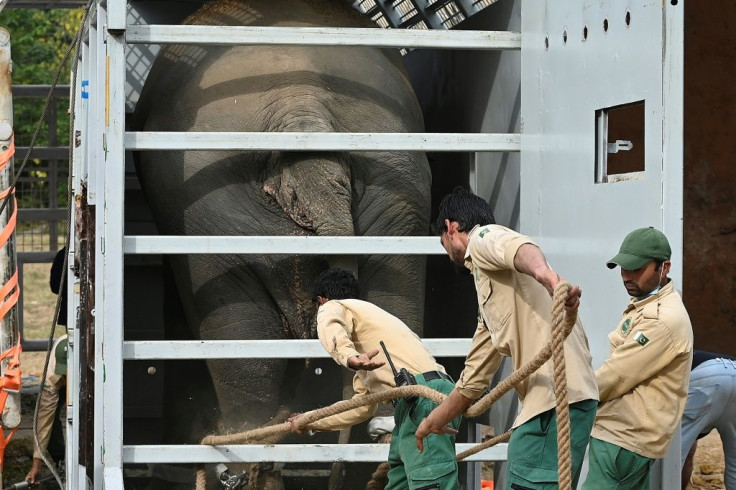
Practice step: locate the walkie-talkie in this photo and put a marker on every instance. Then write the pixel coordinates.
(401, 377)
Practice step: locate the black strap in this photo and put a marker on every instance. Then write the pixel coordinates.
(431, 375)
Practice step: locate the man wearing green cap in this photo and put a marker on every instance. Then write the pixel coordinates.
(643, 384)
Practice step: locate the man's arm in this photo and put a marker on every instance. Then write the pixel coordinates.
(334, 331)
(46, 411)
(530, 260)
(482, 361)
(632, 363)
(499, 248)
(436, 422)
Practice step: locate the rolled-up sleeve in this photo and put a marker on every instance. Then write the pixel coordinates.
(334, 329)
(482, 361)
(494, 247)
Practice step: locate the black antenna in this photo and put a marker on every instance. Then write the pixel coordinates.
(388, 357)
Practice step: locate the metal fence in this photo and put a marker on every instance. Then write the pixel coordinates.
(41, 190)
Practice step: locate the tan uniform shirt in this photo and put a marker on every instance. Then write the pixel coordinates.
(643, 384)
(515, 320)
(349, 327)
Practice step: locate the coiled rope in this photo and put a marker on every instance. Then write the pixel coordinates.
(562, 324)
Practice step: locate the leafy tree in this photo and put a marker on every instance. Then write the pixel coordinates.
(39, 40)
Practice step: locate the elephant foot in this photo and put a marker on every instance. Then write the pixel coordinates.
(379, 478)
(261, 477)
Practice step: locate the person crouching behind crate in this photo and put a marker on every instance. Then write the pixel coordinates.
(351, 330)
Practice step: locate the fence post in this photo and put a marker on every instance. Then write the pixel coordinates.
(8, 264)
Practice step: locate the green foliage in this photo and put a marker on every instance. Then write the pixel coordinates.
(39, 41)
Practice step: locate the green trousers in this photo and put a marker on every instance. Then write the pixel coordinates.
(532, 451)
(611, 467)
(436, 466)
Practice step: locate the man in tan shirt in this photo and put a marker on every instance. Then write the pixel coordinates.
(514, 284)
(643, 384)
(351, 331)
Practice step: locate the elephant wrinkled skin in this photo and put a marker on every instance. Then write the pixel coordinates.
(276, 89)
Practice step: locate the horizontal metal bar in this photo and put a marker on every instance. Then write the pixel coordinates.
(37, 214)
(40, 257)
(322, 36)
(44, 152)
(35, 345)
(286, 453)
(260, 349)
(384, 245)
(310, 141)
(39, 90)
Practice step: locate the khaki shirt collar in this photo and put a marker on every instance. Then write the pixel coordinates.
(635, 304)
(468, 259)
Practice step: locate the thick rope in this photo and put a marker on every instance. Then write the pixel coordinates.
(562, 326)
(562, 409)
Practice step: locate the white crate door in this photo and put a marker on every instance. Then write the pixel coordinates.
(601, 143)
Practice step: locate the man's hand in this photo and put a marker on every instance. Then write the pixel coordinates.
(427, 427)
(437, 421)
(550, 280)
(365, 361)
(32, 476)
(292, 425)
(572, 302)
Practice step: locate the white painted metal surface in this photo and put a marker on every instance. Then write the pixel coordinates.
(308, 141)
(282, 245)
(320, 36)
(578, 57)
(260, 349)
(108, 249)
(291, 453)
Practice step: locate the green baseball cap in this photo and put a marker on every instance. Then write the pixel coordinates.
(640, 247)
(60, 354)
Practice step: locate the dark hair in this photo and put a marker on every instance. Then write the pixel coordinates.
(336, 283)
(466, 208)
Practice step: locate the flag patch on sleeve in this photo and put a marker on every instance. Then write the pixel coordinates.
(641, 338)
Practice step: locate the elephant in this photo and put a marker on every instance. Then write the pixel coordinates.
(280, 193)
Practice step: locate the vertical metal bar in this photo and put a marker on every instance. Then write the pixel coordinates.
(116, 16)
(96, 145)
(76, 474)
(673, 34)
(112, 262)
(601, 150)
(52, 175)
(99, 374)
(8, 263)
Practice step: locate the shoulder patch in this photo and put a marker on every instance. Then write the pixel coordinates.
(625, 326)
(482, 233)
(641, 338)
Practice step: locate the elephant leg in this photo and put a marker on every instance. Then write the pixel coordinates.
(226, 297)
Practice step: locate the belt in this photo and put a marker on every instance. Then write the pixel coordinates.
(431, 375)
